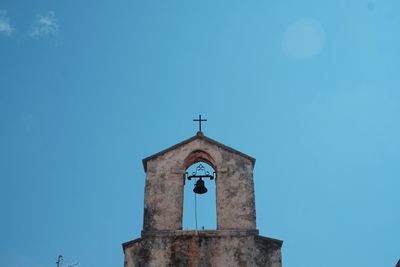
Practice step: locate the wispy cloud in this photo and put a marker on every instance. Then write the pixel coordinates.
(45, 25)
(5, 25)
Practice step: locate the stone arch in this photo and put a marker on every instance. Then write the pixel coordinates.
(197, 156)
(205, 203)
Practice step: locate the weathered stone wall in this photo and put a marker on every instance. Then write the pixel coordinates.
(235, 242)
(163, 205)
(203, 248)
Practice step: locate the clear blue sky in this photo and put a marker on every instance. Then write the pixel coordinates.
(308, 88)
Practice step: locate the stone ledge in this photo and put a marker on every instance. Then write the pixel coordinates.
(209, 233)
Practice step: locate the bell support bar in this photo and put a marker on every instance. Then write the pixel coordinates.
(200, 176)
(200, 173)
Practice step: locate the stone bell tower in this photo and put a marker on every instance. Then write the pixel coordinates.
(235, 242)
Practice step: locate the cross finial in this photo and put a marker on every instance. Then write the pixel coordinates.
(200, 120)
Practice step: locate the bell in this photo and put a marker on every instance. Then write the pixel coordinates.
(199, 187)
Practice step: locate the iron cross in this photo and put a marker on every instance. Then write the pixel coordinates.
(200, 120)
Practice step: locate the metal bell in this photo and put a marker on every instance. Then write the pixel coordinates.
(200, 187)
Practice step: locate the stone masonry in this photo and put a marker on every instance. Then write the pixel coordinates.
(236, 241)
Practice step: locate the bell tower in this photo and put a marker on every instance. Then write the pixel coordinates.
(235, 242)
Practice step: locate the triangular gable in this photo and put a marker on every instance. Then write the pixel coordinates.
(201, 136)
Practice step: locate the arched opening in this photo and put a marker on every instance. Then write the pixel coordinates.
(199, 209)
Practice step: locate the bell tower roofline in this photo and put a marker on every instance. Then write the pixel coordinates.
(199, 135)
